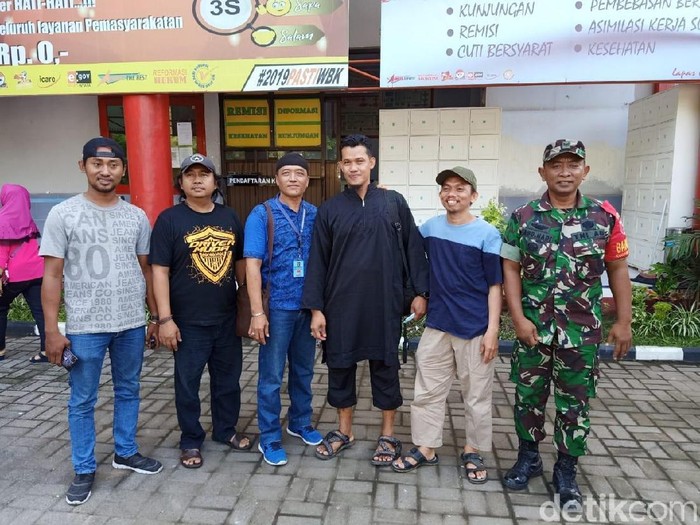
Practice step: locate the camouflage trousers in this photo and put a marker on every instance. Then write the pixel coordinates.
(574, 372)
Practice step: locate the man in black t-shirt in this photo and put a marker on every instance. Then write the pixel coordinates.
(197, 257)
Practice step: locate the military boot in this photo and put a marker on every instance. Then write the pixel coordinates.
(528, 465)
(564, 481)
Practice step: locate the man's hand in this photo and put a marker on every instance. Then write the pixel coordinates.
(526, 332)
(621, 335)
(152, 336)
(419, 306)
(318, 325)
(621, 331)
(259, 329)
(169, 335)
(489, 345)
(56, 342)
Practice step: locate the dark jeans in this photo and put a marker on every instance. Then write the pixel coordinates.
(32, 293)
(220, 350)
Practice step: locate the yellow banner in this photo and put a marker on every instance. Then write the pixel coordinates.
(173, 77)
(298, 122)
(247, 123)
(121, 46)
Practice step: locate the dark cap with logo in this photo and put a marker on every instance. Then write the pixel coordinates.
(91, 146)
(197, 158)
(292, 159)
(561, 146)
(458, 171)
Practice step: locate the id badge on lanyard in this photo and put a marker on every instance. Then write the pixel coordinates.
(298, 268)
(298, 263)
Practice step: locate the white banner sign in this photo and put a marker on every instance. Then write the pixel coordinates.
(445, 43)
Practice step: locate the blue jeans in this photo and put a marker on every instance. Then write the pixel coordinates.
(126, 354)
(289, 339)
(218, 348)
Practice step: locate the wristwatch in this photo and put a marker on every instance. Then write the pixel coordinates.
(424, 295)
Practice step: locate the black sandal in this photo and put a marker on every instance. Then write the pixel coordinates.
(384, 451)
(39, 358)
(478, 462)
(334, 436)
(420, 459)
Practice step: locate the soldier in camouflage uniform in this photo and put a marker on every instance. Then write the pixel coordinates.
(554, 251)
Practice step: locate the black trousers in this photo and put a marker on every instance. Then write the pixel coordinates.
(31, 290)
(386, 389)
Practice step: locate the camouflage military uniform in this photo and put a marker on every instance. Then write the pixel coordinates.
(562, 254)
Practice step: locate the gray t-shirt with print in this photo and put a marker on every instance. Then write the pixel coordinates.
(104, 287)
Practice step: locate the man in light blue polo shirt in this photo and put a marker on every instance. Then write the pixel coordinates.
(285, 336)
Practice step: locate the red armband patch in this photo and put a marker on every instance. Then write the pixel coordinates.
(617, 247)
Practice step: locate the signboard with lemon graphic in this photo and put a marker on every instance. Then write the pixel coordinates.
(172, 46)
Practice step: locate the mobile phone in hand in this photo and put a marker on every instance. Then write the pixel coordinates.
(68, 359)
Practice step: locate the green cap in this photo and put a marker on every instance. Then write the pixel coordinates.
(458, 171)
(561, 146)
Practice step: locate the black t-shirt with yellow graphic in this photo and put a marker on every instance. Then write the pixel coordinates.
(200, 249)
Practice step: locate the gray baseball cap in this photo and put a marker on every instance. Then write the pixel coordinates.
(197, 158)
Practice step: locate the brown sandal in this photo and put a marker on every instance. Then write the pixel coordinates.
(188, 454)
(235, 442)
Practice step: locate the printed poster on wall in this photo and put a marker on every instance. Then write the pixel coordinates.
(442, 43)
(50, 47)
(298, 123)
(247, 123)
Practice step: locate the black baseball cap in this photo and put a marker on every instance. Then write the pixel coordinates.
(91, 146)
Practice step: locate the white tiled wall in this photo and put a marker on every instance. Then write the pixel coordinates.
(416, 144)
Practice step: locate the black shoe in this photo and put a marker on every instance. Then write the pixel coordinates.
(138, 463)
(644, 280)
(564, 481)
(528, 465)
(80, 490)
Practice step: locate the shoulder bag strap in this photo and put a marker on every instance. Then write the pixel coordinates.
(396, 224)
(392, 204)
(270, 243)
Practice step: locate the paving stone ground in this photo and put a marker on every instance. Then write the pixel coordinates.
(643, 465)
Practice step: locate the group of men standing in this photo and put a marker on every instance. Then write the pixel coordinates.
(335, 275)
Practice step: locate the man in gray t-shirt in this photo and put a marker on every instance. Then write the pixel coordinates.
(95, 246)
(104, 286)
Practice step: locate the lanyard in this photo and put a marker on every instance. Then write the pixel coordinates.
(298, 231)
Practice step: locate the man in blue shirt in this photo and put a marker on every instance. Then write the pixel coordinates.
(461, 334)
(285, 336)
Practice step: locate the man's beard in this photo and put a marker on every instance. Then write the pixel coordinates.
(103, 189)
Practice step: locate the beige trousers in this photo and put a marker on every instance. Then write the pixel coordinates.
(439, 356)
